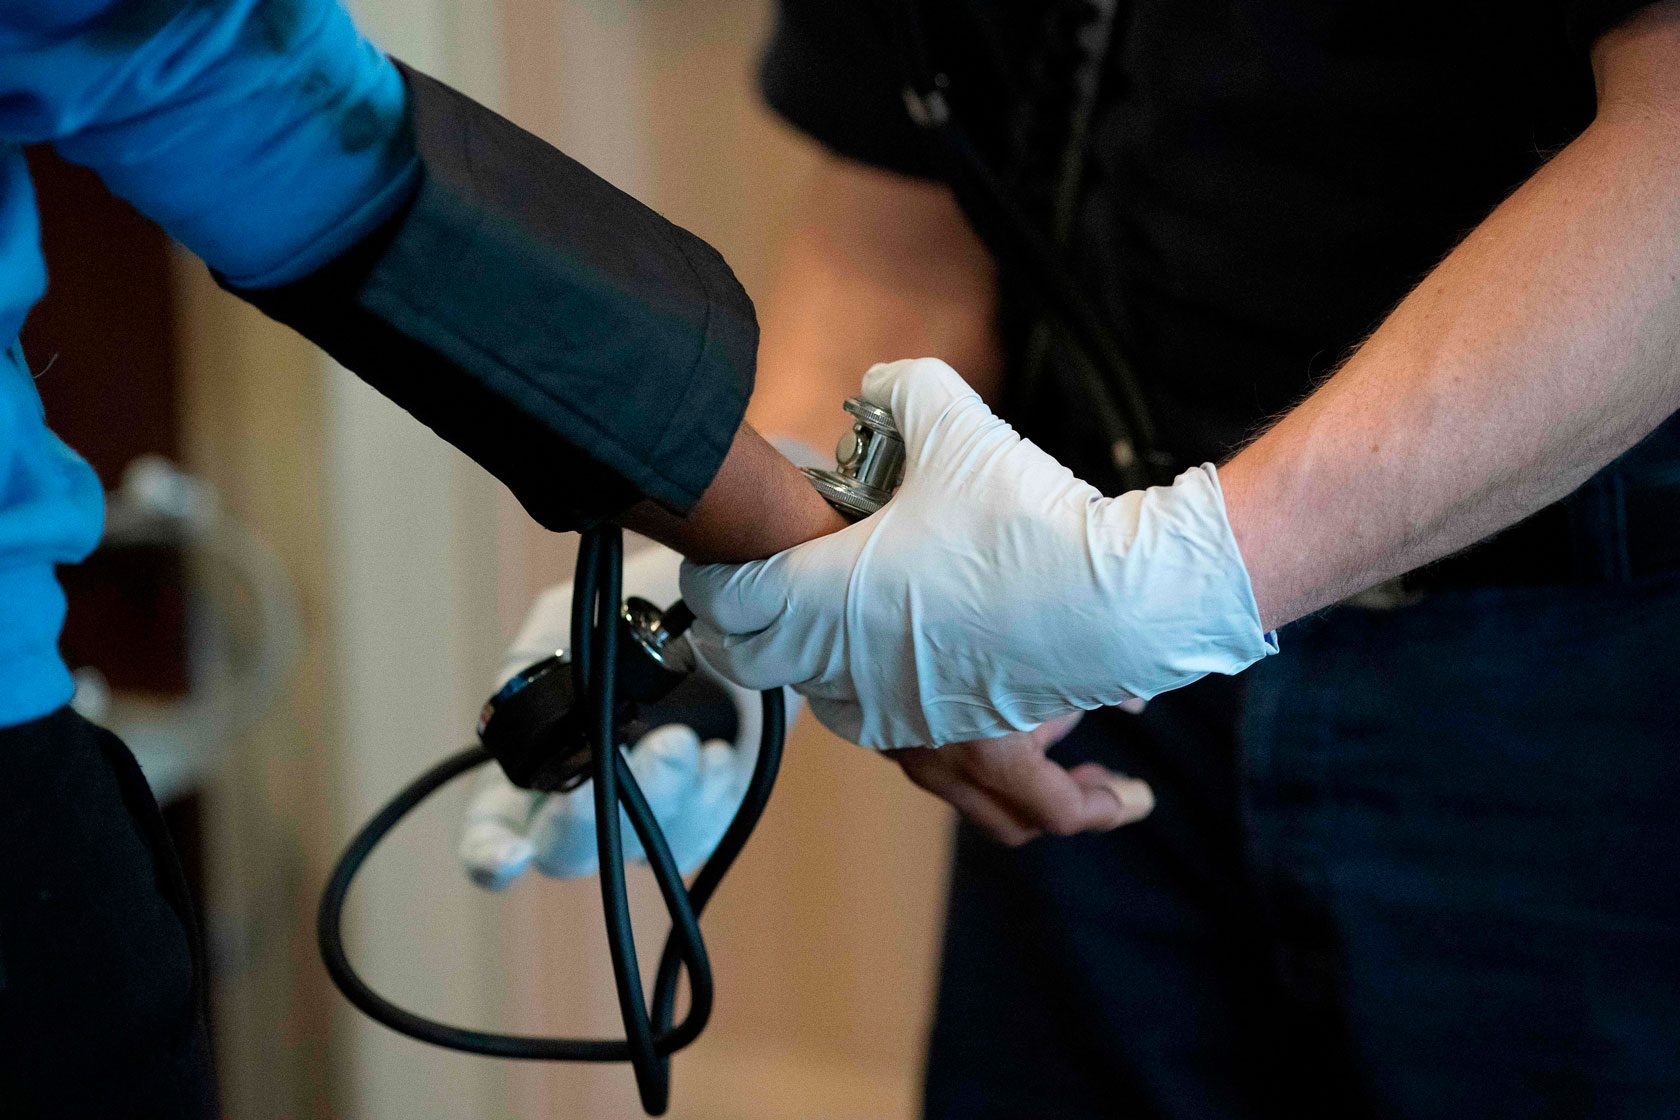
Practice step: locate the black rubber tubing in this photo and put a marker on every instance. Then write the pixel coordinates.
(650, 1037)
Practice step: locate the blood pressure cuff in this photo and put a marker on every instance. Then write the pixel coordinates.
(581, 348)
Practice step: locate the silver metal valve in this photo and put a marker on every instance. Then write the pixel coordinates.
(869, 463)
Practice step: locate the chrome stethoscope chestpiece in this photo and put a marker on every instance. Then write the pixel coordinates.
(869, 462)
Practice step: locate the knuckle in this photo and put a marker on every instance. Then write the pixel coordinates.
(1063, 820)
(928, 777)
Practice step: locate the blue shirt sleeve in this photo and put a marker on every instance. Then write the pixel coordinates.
(267, 136)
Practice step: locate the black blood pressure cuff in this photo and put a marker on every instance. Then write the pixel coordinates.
(581, 348)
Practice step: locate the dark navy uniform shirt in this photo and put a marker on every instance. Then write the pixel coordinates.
(1264, 179)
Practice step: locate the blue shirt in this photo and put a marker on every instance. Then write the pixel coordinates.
(265, 135)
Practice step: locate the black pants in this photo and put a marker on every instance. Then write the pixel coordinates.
(1422, 863)
(101, 976)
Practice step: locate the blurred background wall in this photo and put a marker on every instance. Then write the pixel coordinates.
(413, 568)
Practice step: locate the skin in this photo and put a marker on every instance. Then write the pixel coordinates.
(1552, 334)
(757, 505)
(1541, 348)
(882, 266)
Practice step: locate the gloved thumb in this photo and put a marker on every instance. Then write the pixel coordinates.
(736, 608)
(936, 411)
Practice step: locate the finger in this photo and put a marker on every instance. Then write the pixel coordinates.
(493, 854)
(494, 848)
(748, 628)
(843, 718)
(1137, 799)
(725, 771)
(736, 598)
(983, 809)
(1054, 730)
(749, 707)
(1134, 705)
(926, 770)
(934, 408)
(790, 652)
(715, 796)
(1040, 792)
(563, 834)
(666, 762)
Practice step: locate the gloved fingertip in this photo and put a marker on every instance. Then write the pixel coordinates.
(674, 743)
(491, 879)
(733, 598)
(494, 859)
(918, 392)
(845, 719)
(884, 383)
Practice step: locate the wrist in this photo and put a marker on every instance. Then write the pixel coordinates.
(759, 504)
(1180, 602)
(1253, 534)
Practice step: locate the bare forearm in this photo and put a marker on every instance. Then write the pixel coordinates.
(879, 267)
(1545, 345)
(756, 506)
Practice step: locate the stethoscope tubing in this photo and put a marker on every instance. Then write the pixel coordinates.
(650, 1036)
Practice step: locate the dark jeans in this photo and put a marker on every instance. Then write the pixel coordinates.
(1424, 862)
(101, 985)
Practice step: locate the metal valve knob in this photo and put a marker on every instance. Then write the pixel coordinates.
(869, 461)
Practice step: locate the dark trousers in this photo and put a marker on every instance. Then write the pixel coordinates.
(101, 977)
(1424, 862)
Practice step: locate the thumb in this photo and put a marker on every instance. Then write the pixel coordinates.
(717, 793)
(736, 598)
(666, 763)
(935, 409)
(494, 848)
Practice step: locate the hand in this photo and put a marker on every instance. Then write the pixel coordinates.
(994, 592)
(1009, 788)
(694, 788)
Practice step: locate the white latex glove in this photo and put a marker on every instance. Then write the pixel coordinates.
(693, 788)
(994, 592)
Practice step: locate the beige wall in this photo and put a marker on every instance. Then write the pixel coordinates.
(253, 413)
(414, 567)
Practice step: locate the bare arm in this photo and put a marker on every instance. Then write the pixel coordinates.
(1541, 348)
(879, 267)
(757, 505)
(884, 267)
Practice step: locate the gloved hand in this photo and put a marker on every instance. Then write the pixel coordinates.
(994, 592)
(693, 788)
